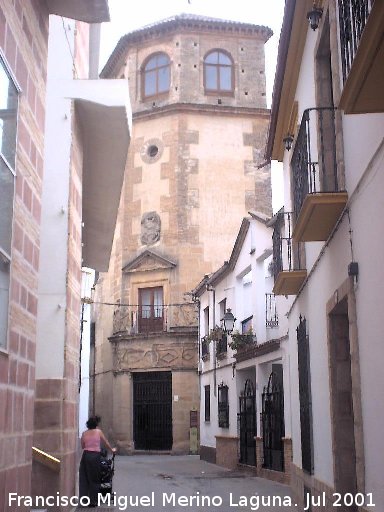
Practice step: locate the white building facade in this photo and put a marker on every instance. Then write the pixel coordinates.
(244, 410)
(328, 104)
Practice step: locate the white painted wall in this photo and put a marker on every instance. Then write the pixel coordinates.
(54, 211)
(367, 213)
(254, 257)
(364, 171)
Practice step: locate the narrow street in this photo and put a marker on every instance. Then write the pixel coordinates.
(175, 483)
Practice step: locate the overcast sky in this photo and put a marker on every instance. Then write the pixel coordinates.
(127, 16)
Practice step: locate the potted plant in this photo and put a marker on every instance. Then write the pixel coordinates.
(215, 334)
(239, 340)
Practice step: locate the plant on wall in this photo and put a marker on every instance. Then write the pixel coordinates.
(239, 341)
(215, 334)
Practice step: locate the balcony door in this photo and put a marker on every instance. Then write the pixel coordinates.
(326, 129)
(151, 309)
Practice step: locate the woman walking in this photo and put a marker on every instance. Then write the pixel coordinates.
(89, 472)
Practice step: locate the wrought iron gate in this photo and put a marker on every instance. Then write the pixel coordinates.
(152, 410)
(272, 420)
(247, 425)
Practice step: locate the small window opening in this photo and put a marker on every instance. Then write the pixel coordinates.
(152, 151)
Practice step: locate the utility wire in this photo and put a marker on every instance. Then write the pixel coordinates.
(89, 301)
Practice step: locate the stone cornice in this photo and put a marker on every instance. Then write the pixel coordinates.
(129, 338)
(182, 23)
(200, 108)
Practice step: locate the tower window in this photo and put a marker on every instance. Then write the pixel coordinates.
(156, 75)
(218, 72)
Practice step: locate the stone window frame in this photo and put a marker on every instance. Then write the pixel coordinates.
(145, 150)
(346, 292)
(8, 170)
(216, 91)
(143, 72)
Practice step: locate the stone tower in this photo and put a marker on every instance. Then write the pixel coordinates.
(197, 88)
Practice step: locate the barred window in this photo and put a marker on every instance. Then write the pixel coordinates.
(207, 403)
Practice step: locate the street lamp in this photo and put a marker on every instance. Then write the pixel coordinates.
(314, 17)
(228, 321)
(288, 139)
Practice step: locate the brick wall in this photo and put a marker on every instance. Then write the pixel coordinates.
(23, 41)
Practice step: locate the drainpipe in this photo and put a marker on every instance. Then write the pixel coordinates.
(211, 289)
(94, 50)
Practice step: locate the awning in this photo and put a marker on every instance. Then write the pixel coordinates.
(90, 11)
(105, 117)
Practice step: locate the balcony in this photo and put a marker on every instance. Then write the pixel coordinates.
(317, 198)
(287, 258)
(221, 346)
(136, 321)
(361, 25)
(242, 341)
(205, 348)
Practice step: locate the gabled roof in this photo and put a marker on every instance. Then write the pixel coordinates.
(148, 260)
(290, 53)
(259, 216)
(181, 22)
(228, 265)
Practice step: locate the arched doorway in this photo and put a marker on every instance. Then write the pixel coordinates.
(272, 418)
(247, 424)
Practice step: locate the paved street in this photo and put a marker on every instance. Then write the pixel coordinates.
(166, 483)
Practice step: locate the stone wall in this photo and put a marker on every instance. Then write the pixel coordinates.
(186, 52)
(227, 451)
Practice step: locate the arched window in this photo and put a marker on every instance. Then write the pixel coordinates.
(218, 72)
(156, 75)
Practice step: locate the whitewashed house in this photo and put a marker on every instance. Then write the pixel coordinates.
(327, 127)
(243, 373)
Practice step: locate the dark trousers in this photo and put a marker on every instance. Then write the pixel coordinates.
(89, 475)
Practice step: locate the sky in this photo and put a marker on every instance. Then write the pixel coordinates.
(127, 16)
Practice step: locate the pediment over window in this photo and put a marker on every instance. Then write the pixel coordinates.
(148, 260)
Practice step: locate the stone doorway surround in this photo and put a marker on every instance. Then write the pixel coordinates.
(344, 301)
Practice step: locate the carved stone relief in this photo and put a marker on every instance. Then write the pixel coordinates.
(155, 356)
(150, 228)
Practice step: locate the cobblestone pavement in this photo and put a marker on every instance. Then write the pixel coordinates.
(166, 483)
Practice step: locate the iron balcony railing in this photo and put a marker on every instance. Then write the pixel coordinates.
(204, 348)
(222, 345)
(314, 165)
(353, 16)
(286, 252)
(271, 317)
(132, 320)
